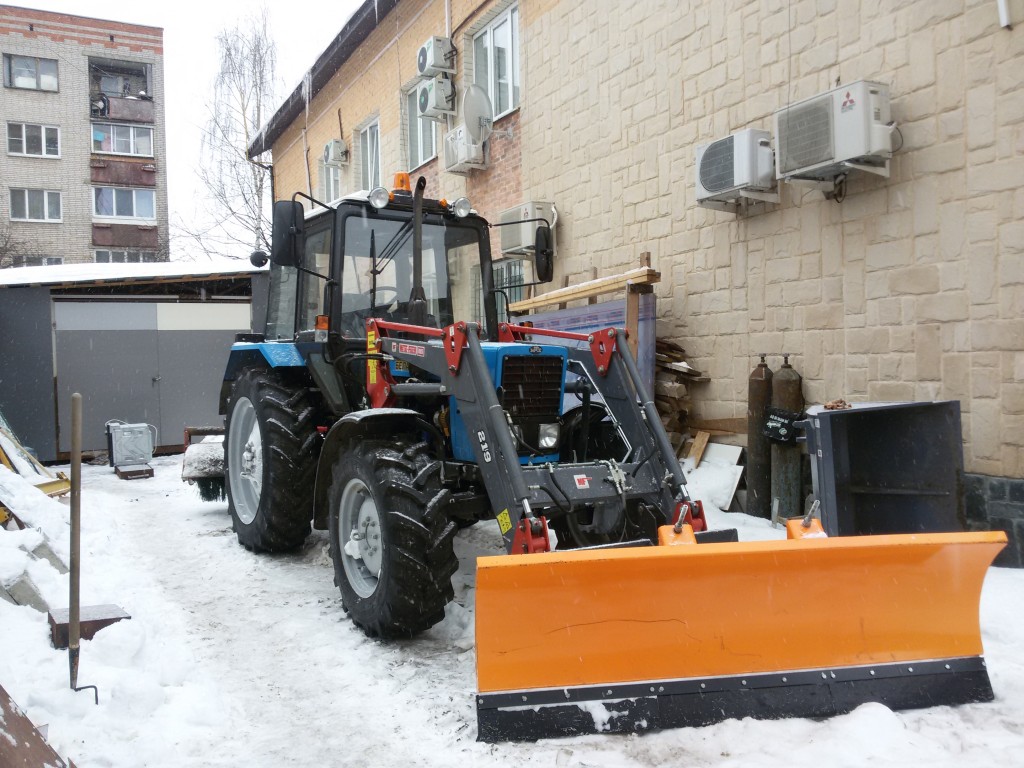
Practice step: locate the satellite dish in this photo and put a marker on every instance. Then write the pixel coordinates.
(478, 113)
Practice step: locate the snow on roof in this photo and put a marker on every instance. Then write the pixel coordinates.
(63, 274)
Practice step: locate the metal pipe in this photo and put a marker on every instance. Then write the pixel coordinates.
(76, 536)
(651, 411)
(1004, 14)
(759, 453)
(74, 610)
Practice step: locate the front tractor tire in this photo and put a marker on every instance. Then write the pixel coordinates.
(270, 452)
(391, 541)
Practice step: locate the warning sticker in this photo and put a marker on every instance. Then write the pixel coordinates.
(582, 481)
(504, 522)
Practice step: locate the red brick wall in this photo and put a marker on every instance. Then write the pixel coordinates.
(500, 186)
(63, 27)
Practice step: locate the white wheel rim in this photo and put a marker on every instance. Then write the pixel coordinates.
(245, 460)
(359, 538)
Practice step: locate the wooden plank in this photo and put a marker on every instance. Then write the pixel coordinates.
(700, 442)
(21, 744)
(736, 426)
(638, 276)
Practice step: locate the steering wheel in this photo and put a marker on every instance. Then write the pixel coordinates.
(391, 299)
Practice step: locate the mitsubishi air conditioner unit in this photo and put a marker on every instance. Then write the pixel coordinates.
(435, 56)
(826, 136)
(520, 238)
(436, 98)
(738, 167)
(461, 153)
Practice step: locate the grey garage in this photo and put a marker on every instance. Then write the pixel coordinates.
(142, 343)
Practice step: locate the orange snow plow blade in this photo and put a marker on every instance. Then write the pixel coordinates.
(642, 638)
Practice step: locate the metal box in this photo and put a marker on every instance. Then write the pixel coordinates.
(130, 443)
(888, 467)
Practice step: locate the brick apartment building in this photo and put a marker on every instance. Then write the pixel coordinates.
(905, 287)
(83, 171)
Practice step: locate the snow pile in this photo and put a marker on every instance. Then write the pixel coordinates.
(232, 658)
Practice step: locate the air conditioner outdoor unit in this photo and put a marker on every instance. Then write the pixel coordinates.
(461, 153)
(825, 136)
(435, 56)
(519, 239)
(436, 98)
(335, 152)
(736, 167)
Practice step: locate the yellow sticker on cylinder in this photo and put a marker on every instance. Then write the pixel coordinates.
(504, 522)
(371, 365)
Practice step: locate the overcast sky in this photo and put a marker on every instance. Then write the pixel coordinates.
(301, 30)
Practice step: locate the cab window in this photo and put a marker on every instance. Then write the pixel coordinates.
(316, 258)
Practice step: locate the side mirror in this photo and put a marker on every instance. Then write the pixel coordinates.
(543, 256)
(258, 259)
(289, 233)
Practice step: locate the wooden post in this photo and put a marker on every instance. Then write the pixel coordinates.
(633, 293)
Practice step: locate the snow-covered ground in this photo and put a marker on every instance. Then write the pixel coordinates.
(237, 659)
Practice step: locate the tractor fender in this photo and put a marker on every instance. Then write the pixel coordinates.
(376, 423)
(248, 354)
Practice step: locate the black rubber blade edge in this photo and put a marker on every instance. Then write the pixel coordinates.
(637, 707)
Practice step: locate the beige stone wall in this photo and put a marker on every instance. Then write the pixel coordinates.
(912, 288)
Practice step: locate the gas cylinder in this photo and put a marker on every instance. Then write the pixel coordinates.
(787, 395)
(759, 454)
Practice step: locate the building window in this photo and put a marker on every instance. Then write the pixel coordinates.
(34, 140)
(329, 175)
(122, 139)
(125, 257)
(35, 205)
(508, 281)
(369, 154)
(419, 132)
(117, 202)
(30, 72)
(496, 61)
(37, 261)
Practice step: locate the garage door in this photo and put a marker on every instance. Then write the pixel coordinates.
(156, 363)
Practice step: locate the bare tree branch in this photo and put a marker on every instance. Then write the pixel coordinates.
(238, 190)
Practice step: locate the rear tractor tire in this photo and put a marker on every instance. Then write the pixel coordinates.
(391, 540)
(270, 455)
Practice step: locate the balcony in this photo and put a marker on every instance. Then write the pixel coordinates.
(120, 90)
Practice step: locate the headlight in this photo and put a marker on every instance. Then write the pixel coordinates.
(461, 207)
(548, 436)
(379, 197)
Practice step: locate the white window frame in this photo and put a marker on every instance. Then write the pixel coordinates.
(126, 256)
(121, 217)
(132, 140)
(9, 73)
(369, 155)
(489, 81)
(418, 128)
(46, 193)
(329, 175)
(24, 141)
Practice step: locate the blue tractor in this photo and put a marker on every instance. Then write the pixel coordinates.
(387, 403)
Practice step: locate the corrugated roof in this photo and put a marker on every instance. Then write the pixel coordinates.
(352, 35)
(98, 274)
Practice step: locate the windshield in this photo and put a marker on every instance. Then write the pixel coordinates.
(376, 271)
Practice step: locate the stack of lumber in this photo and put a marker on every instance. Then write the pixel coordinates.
(672, 374)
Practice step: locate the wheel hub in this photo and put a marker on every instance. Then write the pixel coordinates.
(363, 548)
